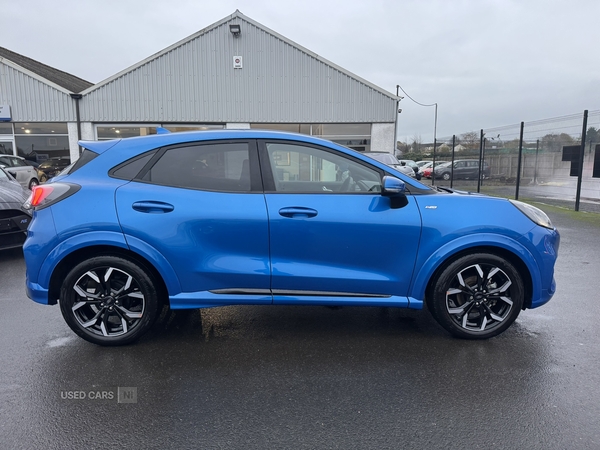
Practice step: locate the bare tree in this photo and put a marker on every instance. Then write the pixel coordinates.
(416, 143)
(470, 140)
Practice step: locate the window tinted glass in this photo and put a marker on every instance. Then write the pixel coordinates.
(215, 167)
(298, 168)
(130, 169)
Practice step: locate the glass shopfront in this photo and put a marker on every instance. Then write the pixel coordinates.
(354, 135)
(106, 132)
(36, 141)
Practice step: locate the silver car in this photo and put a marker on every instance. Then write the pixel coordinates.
(25, 174)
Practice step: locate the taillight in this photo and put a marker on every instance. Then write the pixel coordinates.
(45, 195)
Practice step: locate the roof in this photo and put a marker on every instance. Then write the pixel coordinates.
(63, 79)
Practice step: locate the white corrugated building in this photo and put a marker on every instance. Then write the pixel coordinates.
(235, 73)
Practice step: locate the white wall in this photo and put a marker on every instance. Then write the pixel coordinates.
(383, 137)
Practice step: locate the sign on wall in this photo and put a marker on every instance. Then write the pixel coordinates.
(237, 62)
(4, 113)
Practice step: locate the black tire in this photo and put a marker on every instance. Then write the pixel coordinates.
(121, 301)
(446, 176)
(43, 178)
(477, 296)
(33, 182)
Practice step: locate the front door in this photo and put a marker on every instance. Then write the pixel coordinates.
(332, 234)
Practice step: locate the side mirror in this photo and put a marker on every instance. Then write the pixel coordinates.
(394, 189)
(392, 186)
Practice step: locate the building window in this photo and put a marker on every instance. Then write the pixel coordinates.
(354, 135)
(41, 141)
(124, 131)
(302, 128)
(117, 132)
(6, 128)
(180, 128)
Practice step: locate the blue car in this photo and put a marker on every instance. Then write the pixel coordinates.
(248, 217)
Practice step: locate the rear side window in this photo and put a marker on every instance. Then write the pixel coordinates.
(214, 167)
(85, 158)
(130, 169)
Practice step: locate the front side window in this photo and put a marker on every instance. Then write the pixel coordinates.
(213, 167)
(302, 169)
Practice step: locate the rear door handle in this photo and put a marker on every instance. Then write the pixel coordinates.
(297, 212)
(153, 207)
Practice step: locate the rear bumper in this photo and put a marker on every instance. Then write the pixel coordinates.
(36, 293)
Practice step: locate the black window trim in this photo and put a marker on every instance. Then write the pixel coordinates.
(254, 165)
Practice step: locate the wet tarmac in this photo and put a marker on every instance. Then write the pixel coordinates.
(310, 377)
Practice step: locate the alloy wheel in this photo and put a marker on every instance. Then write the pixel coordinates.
(479, 298)
(108, 302)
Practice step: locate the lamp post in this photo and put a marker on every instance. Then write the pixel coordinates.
(434, 127)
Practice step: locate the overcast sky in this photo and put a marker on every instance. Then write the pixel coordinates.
(486, 63)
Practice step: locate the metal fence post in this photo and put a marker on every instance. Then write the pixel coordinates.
(480, 160)
(433, 166)
(519, 162)
(537, 148)
(452, 163)
(581, 156)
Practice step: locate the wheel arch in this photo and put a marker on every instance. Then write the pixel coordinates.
(499, 245)
(508, 255)
(68, 262)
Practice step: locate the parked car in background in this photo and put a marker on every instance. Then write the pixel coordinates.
(413, 165)
(463, 169)
(202, 219)
(422, 165)
(428, 171)
(392, 161)
(52, 167)
(18, 167)
(14, 219)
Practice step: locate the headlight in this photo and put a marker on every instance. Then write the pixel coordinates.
(535, 214)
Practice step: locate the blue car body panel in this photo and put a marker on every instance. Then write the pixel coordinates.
(353, 243)
(215, 248)
(212, 240)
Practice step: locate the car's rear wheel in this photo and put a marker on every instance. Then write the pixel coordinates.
(109, 300)
(477, 296)
(43, 178)
(33, 182)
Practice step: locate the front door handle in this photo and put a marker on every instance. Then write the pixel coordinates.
(297, 212)
(153, 207)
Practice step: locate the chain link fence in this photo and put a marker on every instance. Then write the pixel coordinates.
(544, 161)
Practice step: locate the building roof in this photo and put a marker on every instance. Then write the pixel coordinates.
(63, 79)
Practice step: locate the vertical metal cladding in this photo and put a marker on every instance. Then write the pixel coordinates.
(31, 100)
(195, 81)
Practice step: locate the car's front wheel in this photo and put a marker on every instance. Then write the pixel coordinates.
(109, 300)
(33, 182)
(477, 296)
(446, 176)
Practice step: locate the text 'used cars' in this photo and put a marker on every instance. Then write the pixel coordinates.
(213, 218)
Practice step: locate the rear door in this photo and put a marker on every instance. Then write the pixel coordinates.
(201, 206)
